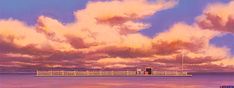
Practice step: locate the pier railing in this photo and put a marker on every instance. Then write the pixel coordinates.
(108, 73)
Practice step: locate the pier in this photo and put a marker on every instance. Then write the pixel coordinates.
(108, 73)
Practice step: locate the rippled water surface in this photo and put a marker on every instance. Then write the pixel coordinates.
(197, 81)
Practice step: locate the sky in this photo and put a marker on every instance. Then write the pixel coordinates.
(116, 34)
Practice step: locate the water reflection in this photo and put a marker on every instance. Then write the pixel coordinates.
(29, 81)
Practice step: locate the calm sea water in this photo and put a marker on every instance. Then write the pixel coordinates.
(197, 81)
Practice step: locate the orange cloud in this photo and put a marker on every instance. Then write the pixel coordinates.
(18, 33)
(182, 36)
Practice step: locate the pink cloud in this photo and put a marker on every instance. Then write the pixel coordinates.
(218, 16)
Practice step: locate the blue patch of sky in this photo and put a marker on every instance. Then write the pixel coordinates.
(224, 41)
(29, 10)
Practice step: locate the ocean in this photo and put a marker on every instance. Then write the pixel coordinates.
(196, 81)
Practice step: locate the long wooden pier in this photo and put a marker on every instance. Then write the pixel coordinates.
(109, 73)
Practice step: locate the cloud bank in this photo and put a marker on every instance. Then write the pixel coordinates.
(105, 35)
